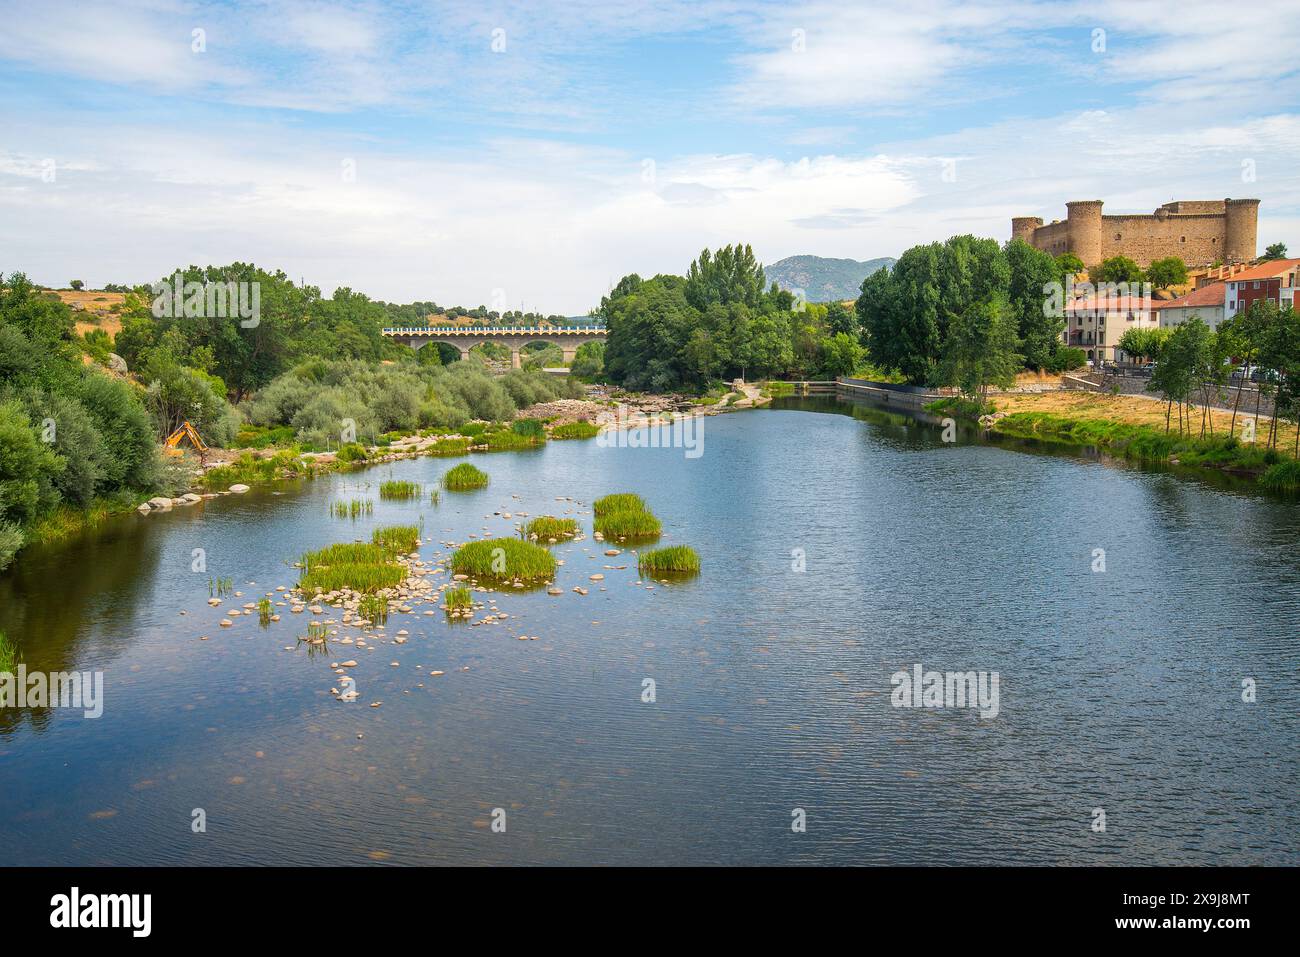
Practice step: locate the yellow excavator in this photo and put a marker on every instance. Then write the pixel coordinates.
(186, 431)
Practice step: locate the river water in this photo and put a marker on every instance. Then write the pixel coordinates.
(837, 549)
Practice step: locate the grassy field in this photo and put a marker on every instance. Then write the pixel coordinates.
(1134, 410)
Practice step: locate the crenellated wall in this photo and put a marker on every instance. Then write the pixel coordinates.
(1199, 232)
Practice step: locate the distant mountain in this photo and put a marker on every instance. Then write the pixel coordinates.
(822, 279)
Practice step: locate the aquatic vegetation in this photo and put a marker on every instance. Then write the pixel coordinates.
(399, 539)
(458, 599)
(575, 430)
(464, 477)
(220, 587)
(455, 446)
(354, 509)
(264, 612)
(359, 566)
(673, 559)
(1282, 476)
(529, 428)
(509, 439)
(434, 496)
(8, 654)
(503, 559)
(618, 502)
(357, 577)
(373, 609)
(400, 491)
(628, 524)
(545, 527)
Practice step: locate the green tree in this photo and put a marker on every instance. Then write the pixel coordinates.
(841, 355)
(1167, 272)
(1117, 269)
(76, 285)
(1068, 265)
(1275, 251)
(980, 350)
(1032, 272)
(841, 318)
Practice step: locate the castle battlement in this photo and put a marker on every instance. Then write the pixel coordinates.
(1199, 232)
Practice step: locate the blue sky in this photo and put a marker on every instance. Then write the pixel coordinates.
(389, 147)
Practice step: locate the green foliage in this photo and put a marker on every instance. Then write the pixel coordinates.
(464, 477)
(398, 539)
(546, 527)
(960, 407)
(1143, 343)
(1275, 251)
(1117, 269)
(980, 349)
(589, 361)
(674, 559)
(353, 509)
(618, 502)
(9, 657)
(1163, 273)
(400, 491)
(1067, 266)
(841, 355)
(575, 430)
(628, 524)
(457, 599)
(1282, 476)
(374, 609)
(358, 566)
(1066, 359)
(529, 428)
(503, 559)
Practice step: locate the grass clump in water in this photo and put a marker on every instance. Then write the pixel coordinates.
(8, 654)
(400, 491)
(398, 539)
(362, 567)
(628, 524)
(575, 430)
(354, 509)
(464, 477)
(674, 559)
(546, 527)
(452, 446)
(618, 502)
(373, 609)
(264, 612)
(457, 600)
(503, 559)
(1282, 477)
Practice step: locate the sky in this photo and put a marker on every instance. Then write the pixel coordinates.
(528, 155)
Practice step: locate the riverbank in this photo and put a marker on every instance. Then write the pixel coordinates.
(1133, 427)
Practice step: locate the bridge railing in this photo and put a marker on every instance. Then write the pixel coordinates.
(478, 330)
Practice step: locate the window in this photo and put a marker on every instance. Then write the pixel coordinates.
(1255, 285)
(1118, 237)
(1182, 239)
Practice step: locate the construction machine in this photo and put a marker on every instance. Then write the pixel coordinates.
(186, 431)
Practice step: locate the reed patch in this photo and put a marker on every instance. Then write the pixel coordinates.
(503, 559)
(464, 477)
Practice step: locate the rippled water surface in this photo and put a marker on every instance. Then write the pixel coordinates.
(1118, 690)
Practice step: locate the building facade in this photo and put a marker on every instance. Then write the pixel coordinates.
(1199, 232)
(1207, 302)
(1095, 324)
(1275, 280)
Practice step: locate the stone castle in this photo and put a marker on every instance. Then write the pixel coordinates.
(1199, 232)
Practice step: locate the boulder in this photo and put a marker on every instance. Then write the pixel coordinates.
(239, 489)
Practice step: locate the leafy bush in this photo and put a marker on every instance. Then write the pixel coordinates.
(1066, 359)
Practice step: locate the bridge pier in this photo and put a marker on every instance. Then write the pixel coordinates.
(515, 362)
(570, 353)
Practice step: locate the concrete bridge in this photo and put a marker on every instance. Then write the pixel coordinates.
(465, 338)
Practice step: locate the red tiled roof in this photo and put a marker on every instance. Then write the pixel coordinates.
(1211, 295)
(1110, 304)
(1268, 270)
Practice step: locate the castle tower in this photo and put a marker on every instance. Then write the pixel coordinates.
(1083, 230)
(1241, 219)
(1022, 227)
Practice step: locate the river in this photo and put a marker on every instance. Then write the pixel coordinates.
(837, 549)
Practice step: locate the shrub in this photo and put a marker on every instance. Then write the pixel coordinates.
(464, 477)
(11, 540)
(502, 559)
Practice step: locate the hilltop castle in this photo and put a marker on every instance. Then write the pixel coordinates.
(1199, 232)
